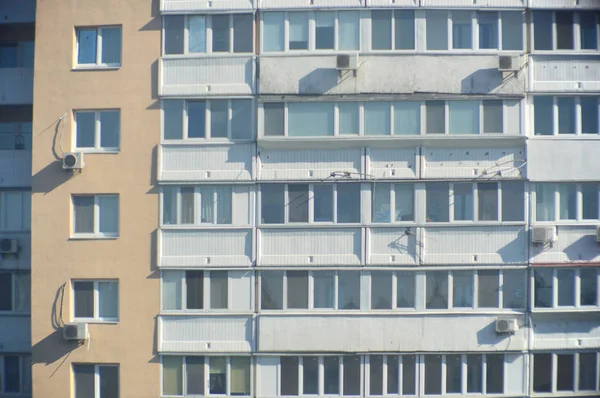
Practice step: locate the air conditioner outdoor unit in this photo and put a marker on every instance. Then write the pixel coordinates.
(543, 234)
(508, 63)
(347, 62)
(73, 161)
(598, 234)
(9, 246)
(506, 325)
(75, 331)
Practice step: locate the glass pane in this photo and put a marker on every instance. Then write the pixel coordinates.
(488, 286)
(311, 375)
(9, 55)
(587, 371)
(323, 203)
(376, 374)
(86, 46)
(407, 118)
(194, 281)
(495, 373)
(325, 22)
(224, 205)
(187, 205)
(243, 33)
(488, 29)
(487, 194)
(172, 375)
(348, 117)
(493, 117)
(464, 117)
(272, 203)
(377, 118)
(587, 31)
(218, 118)
(542, 35)
(197, 33)
(173, 119)
(474, 373)
(220, 33)
(381, 203)
(436, 290)
(437, 201)
(298, 203)
(589, 115)
(566, 115)
(218, 375)
(463, 201)
(85, 123)
(542, 372)
(241, 117)
(298, 31)
(405, 29)
(589, 193)
(207, 204)
(565, 373)
(83, 300)
(589, 287)
(14, 210)
(568, 201)
(273, 114)
(437, 30)
(544, 202)
(194, 372)
(512, 30)
(461, 29)
(289, 375)
(196, 113)
(109, 129)
(111, 45)
(462, 285)
(109, 299)
(381, 30)
(273, 31)
(405, 289)
(381, 290)
(83, 207)
(348, 30)
(408, 374)
(433, 374)
(543, 282)
(564, 30)
(174, 26)
(219, 291)
(22, 292)
(27, 53)
(405, 198)
(565, 280)
(109, 214)
(171, 290)
(109, 381)
(348, 202)
(271, 290)
(543, 119)
(513, 199)
(324, 290)
(453, 373)
(332, 375)
(513, 289)
(297, 289)
(351, 375)
(436, 120)
(84, 381)
(240, 376)
(348, 290)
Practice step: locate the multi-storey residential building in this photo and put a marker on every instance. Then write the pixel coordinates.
(316, 197)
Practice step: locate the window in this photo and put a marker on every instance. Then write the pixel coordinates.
(210, 375)
(555, 372)
(574, 115)
(565, 287)
(96, 301)
(195, 290)
(464, 374)
(99, 46)
(392, 202)
(567, 202)
(96, 381)
(393, 30)
(556, 30)
(200, 205)
(15, 210)
(391, 374)
(15, 374)
(188, 34)
(336, 371)
(465, 117)
(15, 135)
(97, 130)
(16, 54)
(187, 119)
(15, 292)
(310, 203)
(95, 216)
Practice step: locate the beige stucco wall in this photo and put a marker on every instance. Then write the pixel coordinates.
(55, 258)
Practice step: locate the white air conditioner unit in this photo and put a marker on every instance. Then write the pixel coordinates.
(598, 234)
(73, 161)
(9, 246)
(75, 331)
(346, 62)
(508, 63)
(543, 234)
(506, 325)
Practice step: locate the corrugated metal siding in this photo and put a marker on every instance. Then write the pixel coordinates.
(473, 162)
(23, 260)
(207, 76)
(474, 3)
(22, 11)
(384, 333)
(15, 168)
(275, 4)
(392, 246)
(307, 164)
(475, 245)
(190, 6)
(566, 331)
(16, 334)
(573, 244)
(224, 162)
(557, 4)
(205, 248)
(16, 86)
(205, 333)
(306, 247)
(392, 3)
(393, 163)
(566, 73)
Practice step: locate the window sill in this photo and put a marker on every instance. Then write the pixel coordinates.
(80, 68)
(93, 321)
(208, 55)
(475, 224)
(310, 225)
(553, 137)
(204, 141)
(187, 227)
(558, 310)
(564, 52)
(99, 150)
(567, 223)
(201, 313)
(93, 237)
(395, 312)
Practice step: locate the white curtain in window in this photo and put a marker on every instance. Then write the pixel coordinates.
(187, 205)
(298, 31)
(197, 34)
(171, 290)
(461, 29)
(437, 30)
(108, 305)
(324, 289)
(464, 117)
(381, 203)
(310, 119)
(407, 118)
(111, 45)
(169, 207)
(405, 197)
(544, 202)
(207, 205)
(273, 28)
(23, 292)
(377, 118)
(172, 368)
(348, 117)
(109, 213)
(224, 208)
(348, 30)
(240, 376)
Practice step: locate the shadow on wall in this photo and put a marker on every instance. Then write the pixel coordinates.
(514, 251)
(583, 249)
(483, 81)
(319, 81)
(50, 177)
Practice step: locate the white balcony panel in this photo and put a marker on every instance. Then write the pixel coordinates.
(204, 6)
(15, 168)
(22, 260)
(393, 163)
(548, 161)
(277, 4)
(316, 74)
(222, 162)
(572, 73)
(384, 333)
(573, 244)
(205, 333)
(16, 334)
(563, 331)
(392, 246)
(21, 11)
(310, 246)
(558, 4)
(308, 164)
(474, 162)
(474, 3)
(392, 3)
(16, 86)
(267, 373)
(205, 248)
(475, 245)
(241, 290)
(232, 75)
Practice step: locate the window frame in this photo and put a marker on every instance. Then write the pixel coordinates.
(554, 372)
(97, 378)
(197, 206)
(21, 51)
(96, 234)
(96, 302)
(577, 116)
(555, 186)
(576, 286)
(25, 384)
(206, 292)
(575, 31)
(15, 292)
(392, 201)
(25, 210)
(97, 148)
(97, 65)
(392, 32)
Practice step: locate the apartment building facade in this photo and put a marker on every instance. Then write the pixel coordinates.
(328, 197)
